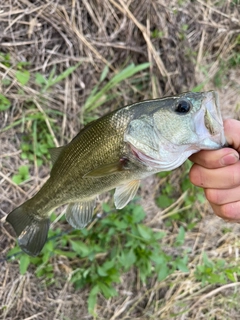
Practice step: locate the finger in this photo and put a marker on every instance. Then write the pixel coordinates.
(232, 133)
(222, 196)
(215, 158)
(221, 178)
(229, 212)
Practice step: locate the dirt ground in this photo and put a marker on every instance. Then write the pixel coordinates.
(188, 44)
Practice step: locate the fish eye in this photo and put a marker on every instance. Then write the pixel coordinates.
(183, 107)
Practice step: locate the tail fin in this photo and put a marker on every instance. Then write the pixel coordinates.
(31, 231)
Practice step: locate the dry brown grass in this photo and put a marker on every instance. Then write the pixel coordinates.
(61, 33)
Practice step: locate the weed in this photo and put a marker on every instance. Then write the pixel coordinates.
(56, 34)
(4, 103)
(182, 32)
(22, 175)
(157, 34)
(36, 139)
(22, 76)
(216, 272)
(100, 96)
(5, 59)
(46, 83)
(185, 213)
(100, 255)
(234, 60)
(220, 76)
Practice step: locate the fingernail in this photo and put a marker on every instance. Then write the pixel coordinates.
(228, 159)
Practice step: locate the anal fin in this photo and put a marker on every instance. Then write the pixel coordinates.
(79, 214)
(125, 193)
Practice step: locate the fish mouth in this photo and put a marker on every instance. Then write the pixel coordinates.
(209, 124)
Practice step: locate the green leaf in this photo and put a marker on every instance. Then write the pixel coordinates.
(163, 273)
(130, 258)
(144, 231)
(159, 235)
(24, 172)
(25, 147)
(164, 201)
(24, 263)
(182, 265)
(12, 252)
(4, 103)
(106, 207)
(138, 214)
(22, 175)
(109, 264)
(23, 76)
(17, 178)
(180, 237)
(92, 299)
(107, 291)
(40, 79)
(207, 262)
(68, 254)
(80, 248)
(101, 271)
(230, 275)
(164, 174)
(127, 259)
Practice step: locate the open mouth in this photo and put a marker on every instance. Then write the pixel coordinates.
(208, 121)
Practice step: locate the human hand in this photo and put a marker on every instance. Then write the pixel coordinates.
(218, 172)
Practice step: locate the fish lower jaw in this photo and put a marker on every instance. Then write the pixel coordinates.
(213, 142)
(168, 159)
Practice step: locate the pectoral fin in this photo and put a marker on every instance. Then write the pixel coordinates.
(106, 169)
(79, 214)
(125, 193)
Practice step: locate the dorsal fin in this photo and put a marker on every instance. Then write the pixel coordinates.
(55, 152)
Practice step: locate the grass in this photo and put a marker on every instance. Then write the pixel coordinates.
(165, 256)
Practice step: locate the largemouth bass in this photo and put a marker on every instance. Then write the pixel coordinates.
(117, 151)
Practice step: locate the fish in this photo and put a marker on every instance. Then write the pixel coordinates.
(117, 151)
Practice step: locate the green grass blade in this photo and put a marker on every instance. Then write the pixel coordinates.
(100, 97)
(60, 77)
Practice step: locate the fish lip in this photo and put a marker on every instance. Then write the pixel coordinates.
(211, 103)
(212, 132)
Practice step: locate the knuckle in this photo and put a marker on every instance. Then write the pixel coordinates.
(231, 210)
(235, 177)
(213, 196)
(226, 211)
(195, 175)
